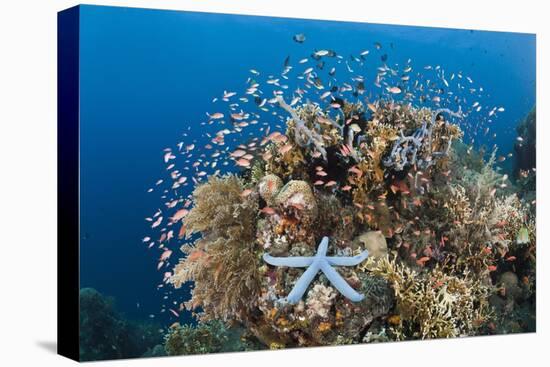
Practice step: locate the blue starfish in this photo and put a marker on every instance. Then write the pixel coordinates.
(319, 262)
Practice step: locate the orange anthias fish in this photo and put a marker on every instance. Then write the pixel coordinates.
(180, 214)
(157, 222)
(267, 210)
(243, 162)
(285, 148)
(238, 153)
(182, 231)
(422, 261)
(165, 255)
(195, 255)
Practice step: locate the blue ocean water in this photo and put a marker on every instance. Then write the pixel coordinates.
(147, 76)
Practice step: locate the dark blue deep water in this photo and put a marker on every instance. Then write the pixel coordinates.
(147, 76)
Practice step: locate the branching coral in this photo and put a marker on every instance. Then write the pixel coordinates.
(406, 148)
(303, 135)
(484, 225)
(434, 304)
(289, 164)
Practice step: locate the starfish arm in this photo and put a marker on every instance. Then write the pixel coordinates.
(292, 262)
(303, 282)
(340, 283)
(347, 261)
(323, 246)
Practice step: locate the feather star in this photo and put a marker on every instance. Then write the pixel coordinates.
(319, 262)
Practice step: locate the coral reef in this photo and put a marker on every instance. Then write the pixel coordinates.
(268, 188)
(525, 163)
(451, 246)
(209, 337)
(297, 195)
(525, 147)
(106, 334)
(304, 136)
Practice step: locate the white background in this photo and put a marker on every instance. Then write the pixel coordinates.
(28, 182)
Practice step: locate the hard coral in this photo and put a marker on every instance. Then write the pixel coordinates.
(434, 304)
(319, 301)
(269, 186)
(298, 195)
(375, 243)
(430, 139)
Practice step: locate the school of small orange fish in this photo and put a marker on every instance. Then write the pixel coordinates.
(241, 122)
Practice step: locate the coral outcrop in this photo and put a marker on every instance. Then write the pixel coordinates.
(209, 337)
(440, 225)
(106, 334)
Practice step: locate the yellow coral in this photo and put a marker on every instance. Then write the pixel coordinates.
(275, 345)
(324, 327)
